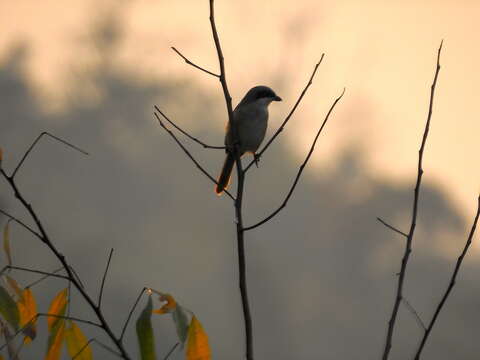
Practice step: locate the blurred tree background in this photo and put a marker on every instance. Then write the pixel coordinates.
(321, 274)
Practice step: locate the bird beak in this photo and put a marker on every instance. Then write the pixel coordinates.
(277, 98)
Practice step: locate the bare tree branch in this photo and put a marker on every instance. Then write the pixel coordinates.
(171, 351)
(221, 62)
(61, 258)
(194, 65)
(392, 227)
(18, 221)
(300, 170)
(188, 153)
(93, 340)
(408, 245)
(27, 153)
(185, 133)
(280, 129)
(450, 285)
(124, 328)
(104, 277)
(46, 273)
(414, 313)
(36, 282)
(88, 322)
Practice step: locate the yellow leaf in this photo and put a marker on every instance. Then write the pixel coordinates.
(14, 286)
(169, 306)
(197, 344)
(6, 242)
(27, 307)
(55, 340)
(57, 307)
(77, 344)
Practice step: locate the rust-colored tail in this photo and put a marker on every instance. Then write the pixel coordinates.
(224, 177)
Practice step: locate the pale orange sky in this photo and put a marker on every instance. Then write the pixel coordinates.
(383, 52)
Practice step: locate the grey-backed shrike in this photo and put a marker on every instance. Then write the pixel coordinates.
(250, 119)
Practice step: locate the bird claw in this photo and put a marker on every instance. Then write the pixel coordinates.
(256, 159)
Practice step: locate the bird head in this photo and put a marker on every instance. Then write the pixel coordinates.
(260, 94)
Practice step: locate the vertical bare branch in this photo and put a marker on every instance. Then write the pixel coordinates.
(104, 277)
(124, 328)
(408, 245)
(428, 329)
(221, 62)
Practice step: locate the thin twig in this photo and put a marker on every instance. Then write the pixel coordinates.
(77, 277)
(194, 65)
(171, 351)
(414, 313)
(206, 146)
(104, 277)
(36, 282)
(450, 285)
(27, 153)
(88, 322)
(300, 170)
(280, 129)
(131, 312)
(18, 221)
(408, 245)
(93, 340)
(221, 62)
(188, 153)
(391, 227)
(46, 273)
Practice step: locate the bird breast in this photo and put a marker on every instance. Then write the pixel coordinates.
(251, 123)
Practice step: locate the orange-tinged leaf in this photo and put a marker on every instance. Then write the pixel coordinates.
(169, 306)
(27, 307)
(197, 344)
(77, 343)
(6, 242)
(55, 340)
(1, 357)
(57, 307)
(14, 286)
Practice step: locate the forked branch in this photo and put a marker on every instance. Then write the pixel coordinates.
(453, 279)
(408, 245)
(300, 170)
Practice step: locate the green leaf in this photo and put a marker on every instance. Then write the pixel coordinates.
(181, 322)
(8, 308)
(145, 333)
(6, 242)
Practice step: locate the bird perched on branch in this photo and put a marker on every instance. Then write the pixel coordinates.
(250, 119)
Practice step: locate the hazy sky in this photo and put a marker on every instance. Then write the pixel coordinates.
(383, 52)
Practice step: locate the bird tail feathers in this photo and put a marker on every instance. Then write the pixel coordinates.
(224, 178)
